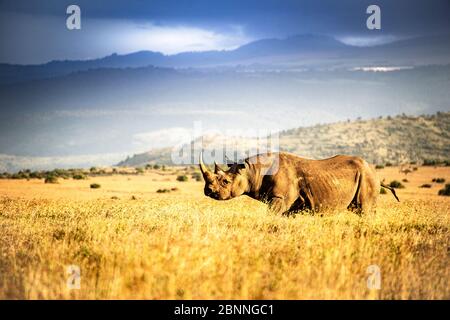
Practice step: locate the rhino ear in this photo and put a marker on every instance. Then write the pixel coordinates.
(235, 167)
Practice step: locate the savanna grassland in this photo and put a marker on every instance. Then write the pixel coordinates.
(132, 242)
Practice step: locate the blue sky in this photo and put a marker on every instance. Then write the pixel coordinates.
(35, 32)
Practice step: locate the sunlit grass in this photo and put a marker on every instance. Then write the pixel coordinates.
(181, 245)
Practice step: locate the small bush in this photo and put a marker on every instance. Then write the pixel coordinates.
(197, 176)
(438, 180)
(156, 167)
(383, 191)
(426, 185)
(388, 164)
(396, 184)
(139, 170)
(405, 180)
(445, 191)
(182, 178)
(162, 190)
(379, 166)
(51, 179)
(95, 186)
(79, 176)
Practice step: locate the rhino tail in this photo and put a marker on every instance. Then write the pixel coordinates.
(391, 189)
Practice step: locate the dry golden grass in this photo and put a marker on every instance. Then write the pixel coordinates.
(182, 245)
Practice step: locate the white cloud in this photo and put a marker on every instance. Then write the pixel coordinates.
(368, 41)
(101, 37)
(162, 138)
(174, 39)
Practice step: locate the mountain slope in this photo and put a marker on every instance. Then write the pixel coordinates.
(397, 140)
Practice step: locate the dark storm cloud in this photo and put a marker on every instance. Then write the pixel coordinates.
(254, 18)
(285, 16)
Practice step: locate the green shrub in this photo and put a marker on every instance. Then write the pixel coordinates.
(405, 180)
(396, 184)
(197, 176)
(95, 186)
(383, 191)
(445, 191)
(438, 180)
(182, 178)
(156, 166)
(51, 179)
(379, 166)
(388, 164)
(79, 176)
(162, 190)
(426, 185)
(139, 170)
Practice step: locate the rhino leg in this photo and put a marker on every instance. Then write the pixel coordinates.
(280, 205)
(366, 195)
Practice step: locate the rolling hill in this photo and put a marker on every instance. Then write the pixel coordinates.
(398, 140)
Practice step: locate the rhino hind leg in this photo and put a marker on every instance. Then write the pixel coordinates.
(365, 197)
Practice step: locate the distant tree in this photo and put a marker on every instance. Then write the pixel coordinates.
(51, 179)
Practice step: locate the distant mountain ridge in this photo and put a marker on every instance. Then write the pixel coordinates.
(295, 50)
(398, 140)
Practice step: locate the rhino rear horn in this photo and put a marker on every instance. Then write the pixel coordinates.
(217, 169)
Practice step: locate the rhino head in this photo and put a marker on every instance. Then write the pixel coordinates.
(224, 185)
